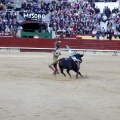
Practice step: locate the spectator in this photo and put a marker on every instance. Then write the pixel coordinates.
(115, 10)
(7, 30)
(73, 35)
(97, 10)
(15, 30)
(110, 34)
(23, 5)
(17, 7)
(104, 18)
(107, 33)
(98, 34)
(1, 6)
(103, 32)
(109, 24)
(115, 33)
(107, 12)
(94, 32)
(12, 30)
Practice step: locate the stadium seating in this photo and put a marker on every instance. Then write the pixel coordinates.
(70, 18)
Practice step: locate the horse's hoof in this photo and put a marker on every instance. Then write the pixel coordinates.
(76, 77)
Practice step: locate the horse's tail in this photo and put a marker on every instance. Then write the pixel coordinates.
(58, 61)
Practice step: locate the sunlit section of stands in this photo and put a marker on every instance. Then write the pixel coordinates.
(89, 37)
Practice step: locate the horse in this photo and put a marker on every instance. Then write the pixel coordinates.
(69, 64)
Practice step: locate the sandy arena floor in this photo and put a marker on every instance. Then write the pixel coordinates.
(29, 91)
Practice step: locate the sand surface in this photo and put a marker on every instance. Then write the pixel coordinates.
(29, 91)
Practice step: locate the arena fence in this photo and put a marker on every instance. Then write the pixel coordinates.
(82, 51)
(8, 44)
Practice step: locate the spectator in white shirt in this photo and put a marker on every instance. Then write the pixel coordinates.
(104, 18)
(94, 32)
(115, 33)
(7, 30)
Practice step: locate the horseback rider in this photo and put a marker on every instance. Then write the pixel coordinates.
(53, 65)
(77, 61)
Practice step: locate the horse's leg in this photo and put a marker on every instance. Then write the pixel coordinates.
(80, 74)
(61, 70)
(77, 75)
(77, 72)
(68, 71)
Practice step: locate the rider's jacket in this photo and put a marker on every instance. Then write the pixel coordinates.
(74, 58)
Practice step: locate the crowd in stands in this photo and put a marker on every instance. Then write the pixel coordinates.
(8, 16)
(79, 17)
(8, 23)
(84, 18)
(105, 0)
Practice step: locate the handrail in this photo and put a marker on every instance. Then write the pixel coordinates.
(115, 52)
(62, 49)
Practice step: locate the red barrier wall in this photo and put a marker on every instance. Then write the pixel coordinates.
(48, 43)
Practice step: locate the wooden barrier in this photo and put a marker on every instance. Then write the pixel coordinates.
(49, 43)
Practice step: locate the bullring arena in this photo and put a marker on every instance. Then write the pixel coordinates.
(28, 31)
(29, 91)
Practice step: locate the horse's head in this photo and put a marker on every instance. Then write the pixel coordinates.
(79, 56)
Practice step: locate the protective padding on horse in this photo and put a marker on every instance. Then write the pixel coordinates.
(57, 71)
(52, 68)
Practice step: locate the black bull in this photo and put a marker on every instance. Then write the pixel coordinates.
(69, 64)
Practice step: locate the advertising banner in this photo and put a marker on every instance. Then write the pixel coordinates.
(32, 16)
